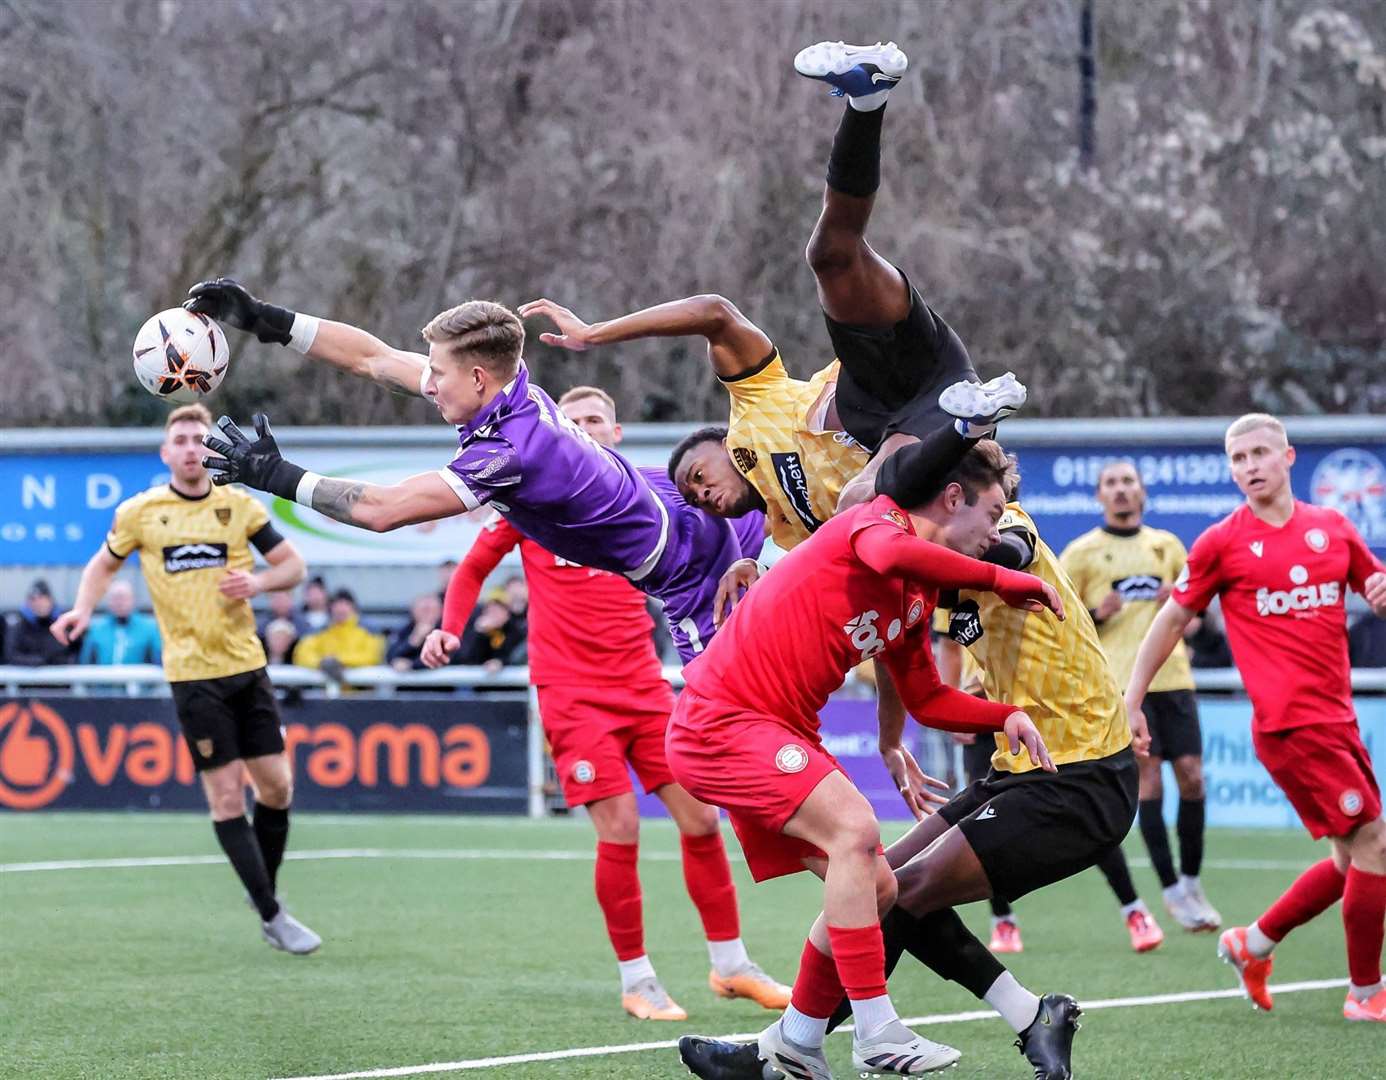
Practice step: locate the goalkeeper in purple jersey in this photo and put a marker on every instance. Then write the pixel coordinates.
(516, 451)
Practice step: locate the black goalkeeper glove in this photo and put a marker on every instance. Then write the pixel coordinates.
(226, 300)
(256, 464)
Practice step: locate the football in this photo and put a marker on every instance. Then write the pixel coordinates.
(180, 356)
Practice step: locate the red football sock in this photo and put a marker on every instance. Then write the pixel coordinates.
(707, 874)
(618, 893)
(859, 952)
(817, 989)
(1314, 892)
(1364, 919)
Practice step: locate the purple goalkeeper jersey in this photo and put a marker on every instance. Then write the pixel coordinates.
(587, 504)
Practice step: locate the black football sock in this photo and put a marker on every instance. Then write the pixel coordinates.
(941, 942)
(1152, 819)
(1189, 826)
(914, 474)
(854, 167)
(272, 831)
(237, 839)
(1118, 874)
(1000, 908)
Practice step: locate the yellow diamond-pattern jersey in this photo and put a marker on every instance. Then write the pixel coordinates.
(1099, 562)
(186, 546)
(798, 471)
(1055, 671)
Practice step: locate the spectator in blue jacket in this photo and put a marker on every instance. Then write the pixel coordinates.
(123, 635)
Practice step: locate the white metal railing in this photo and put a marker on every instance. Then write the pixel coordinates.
(385, 681)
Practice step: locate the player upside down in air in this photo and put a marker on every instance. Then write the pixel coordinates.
(1066, 821)
(1282, 568)
(744, 736)
(603, 702)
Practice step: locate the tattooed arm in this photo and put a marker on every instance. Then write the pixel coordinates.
(379, 507)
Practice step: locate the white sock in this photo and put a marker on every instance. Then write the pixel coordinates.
(1361, 993)
(1175, 892)
(869, 1015)
(1017, 1006)
(1256, 941)
(802, 1029)
(868, 102)
(1187, 881)
(632, 971)
(996, 920)
(969, 430)
(1135, 905)
(728, 957)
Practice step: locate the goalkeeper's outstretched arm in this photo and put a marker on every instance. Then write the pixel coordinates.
(339, 344)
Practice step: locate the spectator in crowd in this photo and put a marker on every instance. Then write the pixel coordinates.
(28, 641)
(493, 636)
(1206, 642)
(425, 616)
(1367, 642)
(315, 614)
(344, 644)
(281, 606)
(515, 596)
(279, 638)
(445, 572)
(122, 635)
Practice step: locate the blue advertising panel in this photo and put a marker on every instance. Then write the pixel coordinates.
(56, 508)
(1189, 487)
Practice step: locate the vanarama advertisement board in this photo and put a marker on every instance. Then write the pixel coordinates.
(115, 753)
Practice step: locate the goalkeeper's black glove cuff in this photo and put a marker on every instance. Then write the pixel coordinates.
(273, 325)
(283, 478)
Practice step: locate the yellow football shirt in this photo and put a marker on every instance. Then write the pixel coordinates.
(1055, 671)
(798, 467)
(1135, 566)
(186, 547)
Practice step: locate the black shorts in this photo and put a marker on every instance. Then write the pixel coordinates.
(1172, 716)
(891, 376)
(1032, 829)
(230, 718)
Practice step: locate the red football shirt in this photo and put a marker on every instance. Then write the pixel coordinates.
(585, 625)
(820, 612)
(1282, 592)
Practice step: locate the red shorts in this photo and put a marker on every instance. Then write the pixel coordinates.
(593, 731)
(1325, 772)
(756, 768)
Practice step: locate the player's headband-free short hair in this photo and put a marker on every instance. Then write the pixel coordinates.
(482, 331)
(196, 411)
(1253, 422)
(985, 464)
(577, 393)
(711, 433)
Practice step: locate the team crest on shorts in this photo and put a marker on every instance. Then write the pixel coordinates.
(916, 610)
(1350, 802)
(204, 747)
(584, 772)
(791, 758)
(1316, 539)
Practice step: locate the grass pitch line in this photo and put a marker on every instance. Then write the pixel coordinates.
(912, 1021)
(503, 854)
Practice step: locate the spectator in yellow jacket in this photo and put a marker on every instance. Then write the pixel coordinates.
(344, 643)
